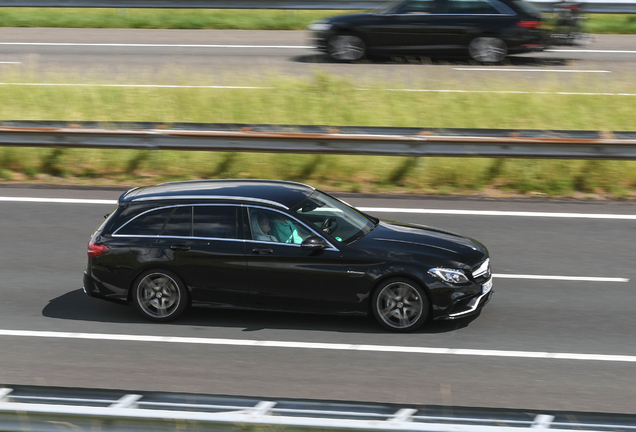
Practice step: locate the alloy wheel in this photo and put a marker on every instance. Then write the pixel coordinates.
(488, 49)
(158, 295)
(400, 306)
(346, 48)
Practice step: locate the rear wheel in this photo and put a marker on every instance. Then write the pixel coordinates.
(487, 49)
(159, 295)
(400, 305)
(345, 48)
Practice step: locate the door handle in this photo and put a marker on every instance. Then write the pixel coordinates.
(263, 251)
(180, 248)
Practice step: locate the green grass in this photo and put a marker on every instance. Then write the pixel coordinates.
(610, 24)
(244, 19)
(325, 100)
(161, 18)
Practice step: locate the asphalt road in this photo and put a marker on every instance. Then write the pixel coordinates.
(235, 57)
(42, 256)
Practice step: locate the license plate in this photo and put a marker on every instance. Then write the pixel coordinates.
(485, 289)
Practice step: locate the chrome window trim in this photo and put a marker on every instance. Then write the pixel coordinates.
(249, 222)
(114, 234)
(331, 247)
(212, 197)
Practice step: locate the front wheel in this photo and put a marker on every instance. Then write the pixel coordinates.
(345, 48)
(400, 305)
(487, 49)
(159, 295)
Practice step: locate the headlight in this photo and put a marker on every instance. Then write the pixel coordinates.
(318, 27)
(454, 276)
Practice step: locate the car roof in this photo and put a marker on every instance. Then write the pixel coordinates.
(275, 192)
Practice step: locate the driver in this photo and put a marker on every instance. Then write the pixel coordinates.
(285, 230)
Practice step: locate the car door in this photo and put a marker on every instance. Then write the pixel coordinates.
(463, 20)
(206, 246)
(281, 274)
(408, 29)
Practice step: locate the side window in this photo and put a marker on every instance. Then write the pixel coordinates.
(417, 6)
(271, 226)
(471, 7)
(215, 221)
(180, 223)
(148, 224)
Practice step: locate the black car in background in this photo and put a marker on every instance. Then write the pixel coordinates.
(486, 30)
(281, 246)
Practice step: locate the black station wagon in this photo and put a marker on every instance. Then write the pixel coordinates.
(283, 246)
(486, 30)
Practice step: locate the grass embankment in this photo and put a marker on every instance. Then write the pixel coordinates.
(326, 100)
(220, 19)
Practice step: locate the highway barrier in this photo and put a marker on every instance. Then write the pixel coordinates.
(379, 141)
(588, 6)
(51, 409)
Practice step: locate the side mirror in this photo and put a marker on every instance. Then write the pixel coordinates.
(313, 243)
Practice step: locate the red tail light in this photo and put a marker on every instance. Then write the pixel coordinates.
(96, 249)
(528, 24)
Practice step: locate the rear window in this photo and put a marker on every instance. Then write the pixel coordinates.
(526, 7)
(147, 224)
(471, 7)
(179, 224)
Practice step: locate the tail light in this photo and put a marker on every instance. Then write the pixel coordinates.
(96, 249)
(528, 24)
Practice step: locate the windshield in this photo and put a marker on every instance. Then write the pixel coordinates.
(332, 216)
(387, 7)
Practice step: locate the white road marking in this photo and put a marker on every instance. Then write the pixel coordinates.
(369, 209)
(509, 92)
(531, 70)
(8, 62)
(320, 346)
(591, 51)
(559, 278)
(249, 46)
(57, 200)
(133, 45)
(274, 88)
(136, 85)
(498, 213)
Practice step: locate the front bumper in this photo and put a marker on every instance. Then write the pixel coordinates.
(472, 307)
(467, 306)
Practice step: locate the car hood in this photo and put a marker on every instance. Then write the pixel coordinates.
(422, 240)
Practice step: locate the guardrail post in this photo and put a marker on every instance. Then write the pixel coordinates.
(542, 421)
(128, 401)
(4, 394)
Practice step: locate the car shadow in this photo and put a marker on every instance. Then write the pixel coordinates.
(75, 305)
(526, 61)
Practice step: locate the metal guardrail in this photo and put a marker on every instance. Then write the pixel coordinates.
(381, 141)
(589, 6)
(48, 409)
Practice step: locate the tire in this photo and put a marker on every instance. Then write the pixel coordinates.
(159, 295)
(487, 49)
(400, 305)
(346, 48)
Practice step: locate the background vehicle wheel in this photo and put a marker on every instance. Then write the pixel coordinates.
(159, 295)
(400, 305)
(487, 49)
(345, 48)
